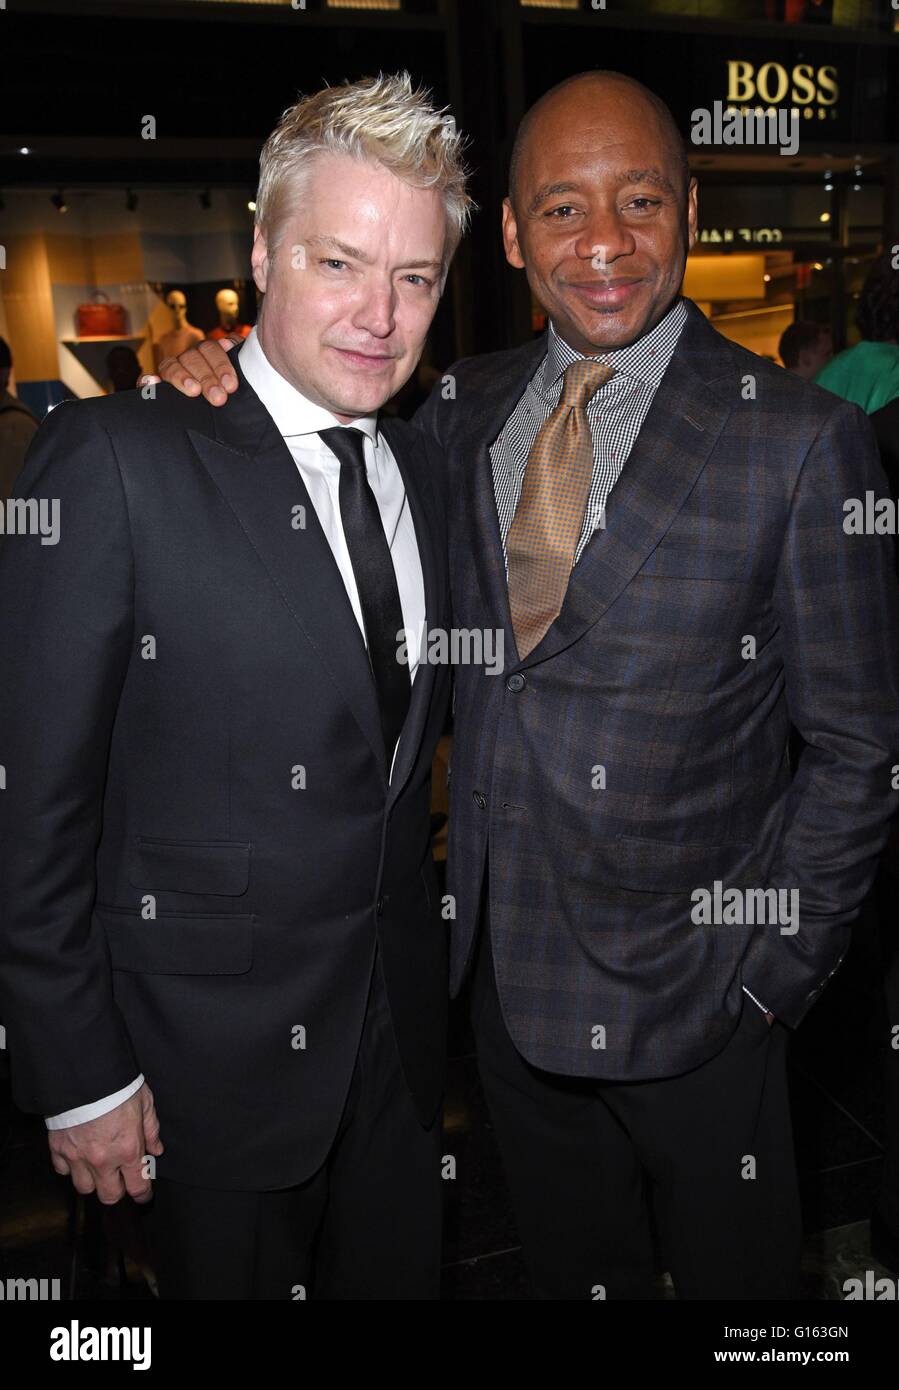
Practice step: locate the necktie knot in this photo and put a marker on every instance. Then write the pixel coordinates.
(582, 380)
(346, 444)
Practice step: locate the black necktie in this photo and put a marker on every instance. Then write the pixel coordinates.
(379, 596)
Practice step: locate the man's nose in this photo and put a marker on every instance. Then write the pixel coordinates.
(376, 312)
(604, 238)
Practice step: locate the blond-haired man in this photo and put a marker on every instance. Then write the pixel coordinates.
(222, 962)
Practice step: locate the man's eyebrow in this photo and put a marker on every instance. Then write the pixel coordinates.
(554, 190)
(333, 243)
(550, 190)
(654, 176)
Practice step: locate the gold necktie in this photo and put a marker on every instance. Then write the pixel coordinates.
(548, 520)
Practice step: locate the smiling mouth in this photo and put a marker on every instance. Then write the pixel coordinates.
(605, 294)
(367, 361)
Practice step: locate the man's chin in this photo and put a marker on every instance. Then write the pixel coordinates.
(348, 398)
(607, 328)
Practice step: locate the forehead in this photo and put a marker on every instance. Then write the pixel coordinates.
(593, 127)
(348, 195)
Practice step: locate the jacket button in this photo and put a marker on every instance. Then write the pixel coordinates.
(379, 907)
(480, 801)
(516, 683)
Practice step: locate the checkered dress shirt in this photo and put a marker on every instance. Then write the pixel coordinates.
(615, 414)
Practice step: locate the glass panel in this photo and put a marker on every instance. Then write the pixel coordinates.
(101, 276)
(789, 213)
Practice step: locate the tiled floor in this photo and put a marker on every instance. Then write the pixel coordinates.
(836, 1080)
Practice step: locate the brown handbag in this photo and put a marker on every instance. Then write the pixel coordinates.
(100, 319)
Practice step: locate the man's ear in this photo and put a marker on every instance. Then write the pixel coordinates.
(692, 213)
(510, 236)
(259, 259)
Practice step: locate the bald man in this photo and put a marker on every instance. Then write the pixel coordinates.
(648, 898)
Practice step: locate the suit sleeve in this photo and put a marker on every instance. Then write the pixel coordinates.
(835, 599)
(65, 643)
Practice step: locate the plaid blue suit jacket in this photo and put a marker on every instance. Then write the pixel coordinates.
(640, 752)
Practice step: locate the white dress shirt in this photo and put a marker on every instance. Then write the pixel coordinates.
(299, 421)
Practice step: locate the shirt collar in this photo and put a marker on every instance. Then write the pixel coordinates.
(644, 360)
(293, 413)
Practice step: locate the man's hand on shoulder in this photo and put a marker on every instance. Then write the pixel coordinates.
(106, 1155)
(204, 368)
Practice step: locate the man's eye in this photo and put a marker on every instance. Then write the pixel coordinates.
(334, 264)
(642, 204)
(562, 211)
(417, 280)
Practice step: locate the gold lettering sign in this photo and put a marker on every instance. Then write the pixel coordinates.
(770, 84)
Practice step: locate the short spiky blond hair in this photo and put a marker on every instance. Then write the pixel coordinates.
(378, 120)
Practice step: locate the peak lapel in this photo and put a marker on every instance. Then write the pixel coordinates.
(254, 471)
(402, 440)
(671, 450)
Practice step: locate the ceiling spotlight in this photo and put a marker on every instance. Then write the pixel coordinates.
(856, 188)
(828, 188)
(206, 200)
(59, 202)
(824, 217)
(251, 206)
(131, 200)
(24, 150)
(817, 266)
(766, 278)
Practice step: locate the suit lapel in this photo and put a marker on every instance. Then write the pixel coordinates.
(402, 440)
(502, 391)
(255, 472)
(671, 450)
(679, 433)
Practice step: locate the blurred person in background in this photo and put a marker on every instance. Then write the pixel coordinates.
(123, 368)
(805, 348)
(868, 373)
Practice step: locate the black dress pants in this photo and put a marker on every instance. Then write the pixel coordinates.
(365, 1226)
(711, 1150)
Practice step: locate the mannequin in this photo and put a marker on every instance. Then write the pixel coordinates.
(228, 305)
(182, 335)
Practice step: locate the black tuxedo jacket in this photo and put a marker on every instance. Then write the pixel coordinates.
(200, 846)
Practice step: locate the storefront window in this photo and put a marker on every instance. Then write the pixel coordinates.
(769, 254)
(136, 274)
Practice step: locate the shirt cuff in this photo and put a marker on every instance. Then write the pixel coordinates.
(756, 1001)
(92, 1111)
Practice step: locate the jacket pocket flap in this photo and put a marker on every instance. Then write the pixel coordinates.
(663, 866)
(190, 866)
(192, 945)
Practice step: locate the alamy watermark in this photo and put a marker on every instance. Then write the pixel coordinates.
(31, 516)
(725, 125)
(736, 907)
(456, 646)
(30, 1290)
